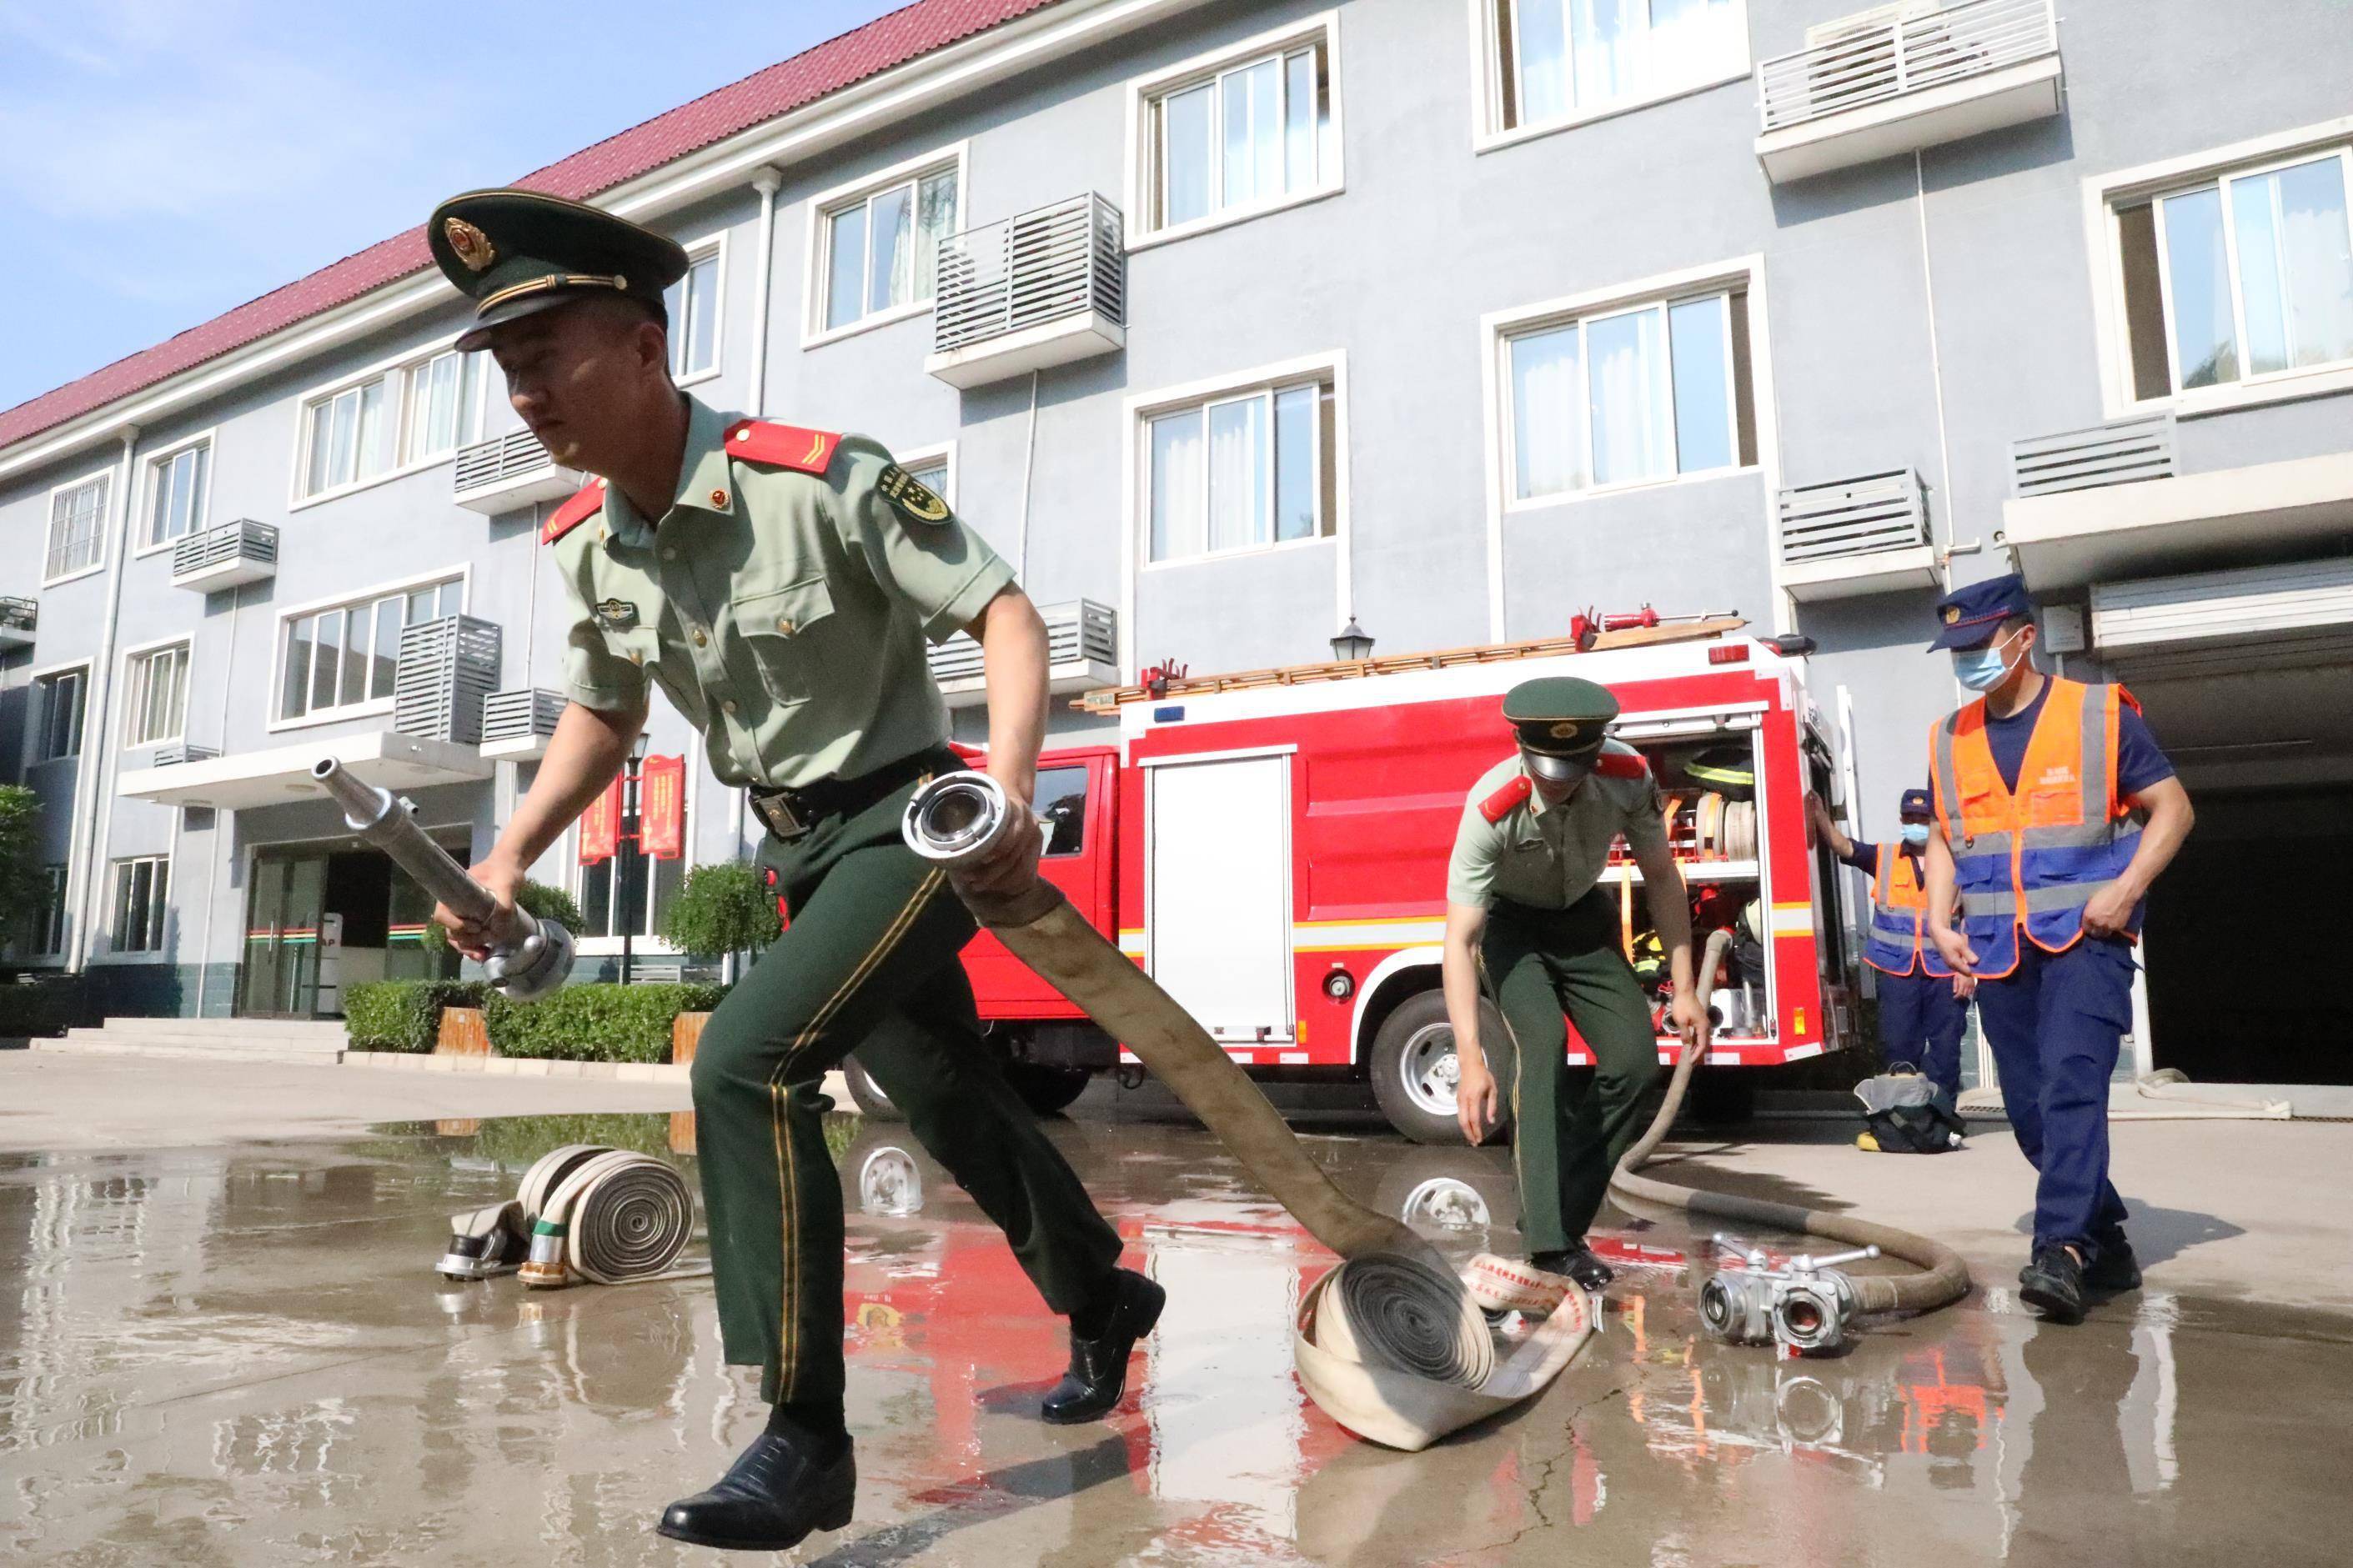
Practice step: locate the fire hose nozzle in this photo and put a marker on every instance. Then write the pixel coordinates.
(956, 819)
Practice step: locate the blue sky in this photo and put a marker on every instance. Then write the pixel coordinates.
(163, 161)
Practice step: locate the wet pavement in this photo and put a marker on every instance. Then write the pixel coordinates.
(242, 1355)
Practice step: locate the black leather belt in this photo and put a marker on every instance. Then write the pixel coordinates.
(789, 814)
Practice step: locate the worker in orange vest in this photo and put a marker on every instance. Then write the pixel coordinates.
(1924, 1006)
(2055, 811)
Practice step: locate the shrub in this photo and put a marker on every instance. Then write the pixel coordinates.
(404, 1014)
(538, 899)
(23, 887)
(595, 1023)
(721, 910)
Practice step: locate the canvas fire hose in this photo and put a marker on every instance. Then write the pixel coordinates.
(1808, 1305)
(530, 965)
(583, 1213)
(1391, 1343)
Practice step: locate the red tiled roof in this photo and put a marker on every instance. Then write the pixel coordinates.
(883, 43)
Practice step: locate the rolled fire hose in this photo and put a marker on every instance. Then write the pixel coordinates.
(584, 1212)
(1939, 1278)
(1390, 1343)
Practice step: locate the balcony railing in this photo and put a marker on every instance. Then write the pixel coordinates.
(447, 668)
(1896, 83)
(507, 473)
(2120, 454)
(1863, 535)
(516, 724)
(224, 557)
(1081, 652)
(19, 618)
(1046, 287)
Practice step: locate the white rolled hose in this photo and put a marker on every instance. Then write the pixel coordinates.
(583, 1213)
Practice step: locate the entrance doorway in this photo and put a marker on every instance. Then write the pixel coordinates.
(322, 917)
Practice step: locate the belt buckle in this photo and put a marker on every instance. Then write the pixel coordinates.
(776, 811)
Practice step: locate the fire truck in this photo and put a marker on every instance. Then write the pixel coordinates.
(1271, 847)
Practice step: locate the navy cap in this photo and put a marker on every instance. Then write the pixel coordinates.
(1968, 617)
(1917, 803)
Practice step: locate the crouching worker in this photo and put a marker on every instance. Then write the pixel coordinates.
(1525, 915)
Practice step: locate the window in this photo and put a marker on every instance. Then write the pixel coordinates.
(46, 928)
(694, 302)
(931, 473)
(346, 437)
(613, 891)
(157, 680)
(140, 886)
(346, 657)
(57, 715)
(882, 247)
(1630, 395)
(443, 406)
(1251, 134)
(1243, 470)
(1556, 60)
(76, 513)
(2247, 275)
(177, 507)
(1062, 804)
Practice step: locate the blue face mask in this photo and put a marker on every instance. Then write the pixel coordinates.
(1916, 833)
(1980, 669)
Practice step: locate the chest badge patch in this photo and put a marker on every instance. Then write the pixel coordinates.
(914, 500)
(617, 614)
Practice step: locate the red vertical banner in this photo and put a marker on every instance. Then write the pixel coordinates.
(600, 826)
(662, 808)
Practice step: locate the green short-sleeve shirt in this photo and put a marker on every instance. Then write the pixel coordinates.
(1547, 858)
(783, 612)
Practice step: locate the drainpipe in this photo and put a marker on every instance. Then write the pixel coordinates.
(87, 841)
(212, 865)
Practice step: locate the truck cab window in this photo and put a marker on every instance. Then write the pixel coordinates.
(1062, 801)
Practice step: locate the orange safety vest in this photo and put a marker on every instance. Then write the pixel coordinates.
(2031, 860)
(1899, 905)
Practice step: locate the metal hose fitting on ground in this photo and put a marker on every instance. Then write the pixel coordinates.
(1938, 1279)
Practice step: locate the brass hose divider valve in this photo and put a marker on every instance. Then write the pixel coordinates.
(530, 965)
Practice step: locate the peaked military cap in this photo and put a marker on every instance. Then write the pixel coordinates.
(1968, 617)
(516, 253)
(1560, 722)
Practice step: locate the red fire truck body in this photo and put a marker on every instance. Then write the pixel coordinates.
(1275, 854)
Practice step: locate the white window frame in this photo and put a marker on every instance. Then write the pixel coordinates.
(33, 682)
(710, 247)
(817, 269)
(161, 893)
(1487, 63)
(63, 892)
(133, 694)
(396, 366)
(2104, 194)
(1323, 30)
(461, 573)
(152, 467)
(478, 417)
(50, 525)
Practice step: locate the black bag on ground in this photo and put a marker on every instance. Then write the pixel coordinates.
(1907, 1114)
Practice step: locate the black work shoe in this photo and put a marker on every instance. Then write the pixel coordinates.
(2054, 1285)
(1098, 1374)
(2113, 1268)
(1579, 1263)
(772, 1497)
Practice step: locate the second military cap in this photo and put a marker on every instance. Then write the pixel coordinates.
(1560, 722)
(516, 253)
(1968, 617)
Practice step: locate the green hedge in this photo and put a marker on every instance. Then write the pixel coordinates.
(404, 1014)
(595, 1023)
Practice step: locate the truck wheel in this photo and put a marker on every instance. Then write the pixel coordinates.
(867, 1094)
(1047, 1089)
(1414, 1070)
(1440, 1190)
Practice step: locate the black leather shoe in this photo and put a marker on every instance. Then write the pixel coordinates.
(2113, 1268)
(1098, 1374)
(771, 1498)
(2054, 1285)
(1579, 1263)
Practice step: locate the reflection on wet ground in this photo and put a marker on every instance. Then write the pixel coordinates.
(243, 1356)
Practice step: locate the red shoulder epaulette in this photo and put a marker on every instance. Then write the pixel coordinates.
(586, 503)
(1621, 765)
(782, 445)
(1507, 800)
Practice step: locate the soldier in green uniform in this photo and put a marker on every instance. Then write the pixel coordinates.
(778, 584)
(1526, 918)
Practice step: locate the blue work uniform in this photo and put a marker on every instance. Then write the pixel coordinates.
(1920, 1020)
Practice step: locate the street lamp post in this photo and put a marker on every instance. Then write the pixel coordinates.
(632, 804)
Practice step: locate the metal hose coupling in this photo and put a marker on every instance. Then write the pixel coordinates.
(957, 818)
(1803, 1307)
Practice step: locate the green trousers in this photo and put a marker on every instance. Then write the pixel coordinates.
(1567, 1133)
(868, 963)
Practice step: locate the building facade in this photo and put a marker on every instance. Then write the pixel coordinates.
(1231, 323)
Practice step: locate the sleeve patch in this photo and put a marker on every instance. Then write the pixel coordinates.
(586, 503)
(782, 445)
(1507, 800)
(910, 497)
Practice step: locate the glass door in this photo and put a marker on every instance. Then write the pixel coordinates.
(281, 936)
